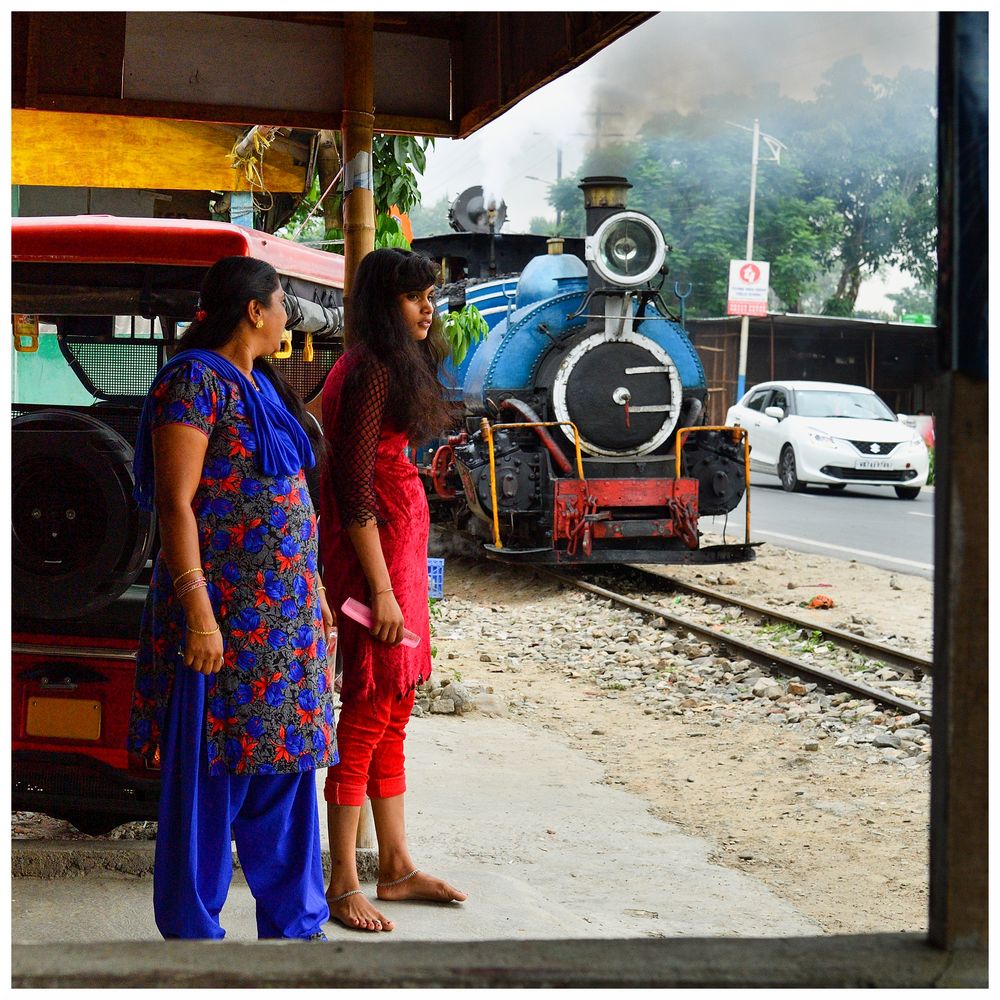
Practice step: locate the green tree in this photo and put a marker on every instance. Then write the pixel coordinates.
(565, 196)
(692, 178)
(398, 161)
(917, 299)
(542, 226)
(854, 191)
(869, 145)
(431, 220)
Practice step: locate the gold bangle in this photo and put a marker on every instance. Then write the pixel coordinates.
(187, 572)
(321, 587)
(195, 631)
(385, 590)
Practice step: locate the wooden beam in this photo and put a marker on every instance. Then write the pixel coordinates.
(959, 870)
(409, 125)
(225, 114)
(58, 149)
(31, 73)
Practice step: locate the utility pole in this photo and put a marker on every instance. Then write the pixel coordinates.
(558, 179)
(775, 146)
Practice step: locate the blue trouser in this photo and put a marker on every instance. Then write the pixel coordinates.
(273, 818)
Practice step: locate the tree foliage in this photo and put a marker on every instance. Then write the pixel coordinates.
(855, 190)
(541, 226)
(430, 220)
(398, 162)
(871, 149)
(463, 328)
(915, 300)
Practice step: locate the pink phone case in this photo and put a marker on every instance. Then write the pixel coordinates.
(362, 614)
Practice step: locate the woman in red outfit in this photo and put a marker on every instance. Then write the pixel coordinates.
(382, 394)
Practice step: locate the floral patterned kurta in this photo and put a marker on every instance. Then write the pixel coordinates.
(270, 707)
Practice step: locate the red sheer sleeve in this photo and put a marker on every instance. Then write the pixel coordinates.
(355, 443)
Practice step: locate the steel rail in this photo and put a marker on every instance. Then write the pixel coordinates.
(759, 654)
(890, 654)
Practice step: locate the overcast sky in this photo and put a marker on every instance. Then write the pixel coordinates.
(671, 61)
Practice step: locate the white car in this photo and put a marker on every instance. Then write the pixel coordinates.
(830, 434)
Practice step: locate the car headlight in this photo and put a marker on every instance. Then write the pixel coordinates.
(819, 437)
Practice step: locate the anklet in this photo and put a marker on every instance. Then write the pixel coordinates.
(344, 895)
(386, 885)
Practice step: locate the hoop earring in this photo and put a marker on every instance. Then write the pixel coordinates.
(259, 323)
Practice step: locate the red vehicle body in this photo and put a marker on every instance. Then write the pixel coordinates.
(98, 304)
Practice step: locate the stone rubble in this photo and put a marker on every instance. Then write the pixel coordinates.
(621, 653)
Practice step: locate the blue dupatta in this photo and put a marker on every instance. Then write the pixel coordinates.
(282, 444)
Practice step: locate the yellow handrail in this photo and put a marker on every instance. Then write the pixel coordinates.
(682, 432)
(487, 431)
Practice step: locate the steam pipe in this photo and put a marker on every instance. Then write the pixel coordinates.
(522, 408)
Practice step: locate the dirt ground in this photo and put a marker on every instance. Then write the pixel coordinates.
(839, 833)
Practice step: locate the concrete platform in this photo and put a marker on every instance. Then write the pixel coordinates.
(511, 815)
(571, 883)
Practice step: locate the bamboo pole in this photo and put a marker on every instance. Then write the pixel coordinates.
(357, 125)
(328, 162)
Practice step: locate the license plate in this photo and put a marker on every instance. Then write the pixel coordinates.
(64, 718)
(873, 463)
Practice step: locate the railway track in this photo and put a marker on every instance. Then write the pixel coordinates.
(769, 657)
(914, 664)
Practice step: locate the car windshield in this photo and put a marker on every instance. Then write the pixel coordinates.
(830, 403)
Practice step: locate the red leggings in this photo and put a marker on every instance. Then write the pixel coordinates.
(370, 742)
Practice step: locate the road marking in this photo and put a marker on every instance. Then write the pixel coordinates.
(843, 548)
(917, 513)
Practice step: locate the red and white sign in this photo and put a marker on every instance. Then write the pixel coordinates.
(748, 280)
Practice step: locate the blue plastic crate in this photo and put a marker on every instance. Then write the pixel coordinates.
(435, 577)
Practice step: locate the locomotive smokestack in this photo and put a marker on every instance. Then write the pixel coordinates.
(602, 197)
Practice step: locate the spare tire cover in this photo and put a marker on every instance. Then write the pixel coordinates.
(78, 537)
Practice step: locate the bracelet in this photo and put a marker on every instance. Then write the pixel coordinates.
(384, 590)
(195, 631)
(187, 588)
(197, 569)
(321, 587)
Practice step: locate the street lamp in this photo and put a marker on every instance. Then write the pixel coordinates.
(775, 146)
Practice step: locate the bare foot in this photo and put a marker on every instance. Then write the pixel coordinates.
(356, 913)
(420, 886)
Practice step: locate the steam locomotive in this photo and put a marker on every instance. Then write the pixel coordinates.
(583, 437)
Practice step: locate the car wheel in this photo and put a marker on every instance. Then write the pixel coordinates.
(836, 487)
(790, 481)
(907, 492)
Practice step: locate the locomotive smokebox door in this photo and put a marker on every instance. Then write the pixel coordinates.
(623, 393)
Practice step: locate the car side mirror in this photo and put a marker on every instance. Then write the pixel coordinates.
(774, 411)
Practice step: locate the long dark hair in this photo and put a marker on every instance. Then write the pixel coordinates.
(416, 402)
(230, 285)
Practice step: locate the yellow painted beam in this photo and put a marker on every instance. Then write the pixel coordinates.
(110, 151)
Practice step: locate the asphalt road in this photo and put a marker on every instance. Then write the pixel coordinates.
(867, 523)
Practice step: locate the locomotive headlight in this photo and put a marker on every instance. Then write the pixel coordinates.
(627, 249)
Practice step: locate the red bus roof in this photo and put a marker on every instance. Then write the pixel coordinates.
(87, 239)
